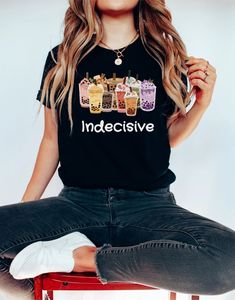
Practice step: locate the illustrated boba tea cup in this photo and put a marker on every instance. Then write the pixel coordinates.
(120, 91)
(131, 99)
(147, 95)
(95, 93)
(108, 96)
(100, 78)
(135, 86)
(112, 85)
(83, 92)
(130, 80)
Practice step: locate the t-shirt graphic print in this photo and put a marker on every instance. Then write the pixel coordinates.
(125, 95)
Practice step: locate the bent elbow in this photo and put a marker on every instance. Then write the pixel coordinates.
(173, 143)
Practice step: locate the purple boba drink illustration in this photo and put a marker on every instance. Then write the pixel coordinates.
(83, 92)
(147, 95)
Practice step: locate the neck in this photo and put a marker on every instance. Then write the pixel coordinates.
(119, 30)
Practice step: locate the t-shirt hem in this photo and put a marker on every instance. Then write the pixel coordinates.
(164, 181)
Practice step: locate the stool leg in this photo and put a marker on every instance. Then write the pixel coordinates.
(172, 296)
(50, 295)
(195, 297)
(38, 288)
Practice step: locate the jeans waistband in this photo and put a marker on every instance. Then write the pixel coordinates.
(114, 190)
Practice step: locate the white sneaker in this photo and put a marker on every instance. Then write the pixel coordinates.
(48, 256)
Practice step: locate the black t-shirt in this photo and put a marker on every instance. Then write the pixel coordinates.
(119, 138)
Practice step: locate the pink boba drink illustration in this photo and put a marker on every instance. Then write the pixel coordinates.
(120, 91)
(83, 92)
(131, 99)
(95, 93)
(108, 97)
(147, 95)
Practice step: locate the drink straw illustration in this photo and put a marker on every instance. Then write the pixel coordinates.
(102, 77)
(129, 74)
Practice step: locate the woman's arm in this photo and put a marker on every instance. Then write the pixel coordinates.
(46, 162)
(182, 126)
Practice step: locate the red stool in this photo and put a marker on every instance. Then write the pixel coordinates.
(84, 281)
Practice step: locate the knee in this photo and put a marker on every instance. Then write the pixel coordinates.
(220, 287)
(220, 279)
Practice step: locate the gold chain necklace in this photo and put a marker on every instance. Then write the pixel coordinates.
(118, 60)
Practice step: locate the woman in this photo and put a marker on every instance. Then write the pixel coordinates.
(115, 96)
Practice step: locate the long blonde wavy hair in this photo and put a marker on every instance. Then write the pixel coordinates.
(159, 37)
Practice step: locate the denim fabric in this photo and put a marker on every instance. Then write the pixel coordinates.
(144, 237)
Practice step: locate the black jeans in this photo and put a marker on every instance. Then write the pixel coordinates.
(145, 237)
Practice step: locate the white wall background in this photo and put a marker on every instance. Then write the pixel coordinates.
(204, 163)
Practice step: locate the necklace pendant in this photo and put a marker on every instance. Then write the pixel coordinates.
(118, 61)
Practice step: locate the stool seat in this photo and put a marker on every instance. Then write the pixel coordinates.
(83, 281)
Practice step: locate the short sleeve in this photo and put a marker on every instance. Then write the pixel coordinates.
(49, 63)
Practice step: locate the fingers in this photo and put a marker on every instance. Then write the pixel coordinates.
(197, 74)
(201, 73)
(201, 84)
(198, 64)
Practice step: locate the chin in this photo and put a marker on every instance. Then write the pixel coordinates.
(115, 5)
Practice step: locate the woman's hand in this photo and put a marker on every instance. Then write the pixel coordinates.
(202, 77)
